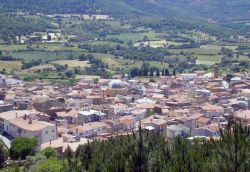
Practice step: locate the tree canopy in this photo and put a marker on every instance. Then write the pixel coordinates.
(21, 147)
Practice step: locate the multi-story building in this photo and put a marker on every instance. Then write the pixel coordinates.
(20, 124)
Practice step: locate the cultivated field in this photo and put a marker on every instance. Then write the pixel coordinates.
(44, 55)
(157, 43)
(72, 63)
(10, 65)
(208, 59)
(135, 37)
(4, 47)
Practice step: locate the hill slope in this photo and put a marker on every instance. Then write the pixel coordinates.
(215, 9)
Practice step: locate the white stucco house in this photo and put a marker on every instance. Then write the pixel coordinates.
(87, 116)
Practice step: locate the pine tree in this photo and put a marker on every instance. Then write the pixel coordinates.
(163, 72)
(84, 155)
(151, 72)
(157, 72)
(3, 156)
(174, 72)
(166, 72)
(233, 150)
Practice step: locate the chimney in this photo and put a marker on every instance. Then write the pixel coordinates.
(25, 117)
(16, 115)
(30, 121)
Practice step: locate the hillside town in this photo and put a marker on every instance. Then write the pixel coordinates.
(194, 105)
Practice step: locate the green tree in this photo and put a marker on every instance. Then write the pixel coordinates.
(68, 153)
(174, 72)
(151, 80)
(96, 80)
(13, 168)
(140, 158)
(229, 77)
(145, 69)
(233, 150)
(21, 147)
(90, 57)
(32, 162)
(227, 52)
(50, 165)
(69, 73)
(3, 155)
(84, 155)
(70, 57)
(49, 37)
(166, 72)
(163, 72)
(151, 72)
(134, 72)
(3, 71)
(82, 57)
(49, 152)
(157, 72)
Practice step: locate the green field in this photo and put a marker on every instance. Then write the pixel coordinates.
(44, 55)
(203, 50)
(116, 24)
(4, 47)
(152, 64)
(58, 53)
(10, 65)
(135, 37)
(40, 67)
(208, 59)
(242, 58)
(38, 46)
(206, 54)
(54, 47)
(72, 63)
(108, 43)
(125, 63)
(108, 58)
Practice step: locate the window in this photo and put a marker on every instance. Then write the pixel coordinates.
(46, 132)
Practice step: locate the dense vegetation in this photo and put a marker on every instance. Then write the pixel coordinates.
(3, 154)
(21, 147)
(121, 44)
(16, 26)
(216, 9)
(47, 6)
(150, 152)
(194, 12)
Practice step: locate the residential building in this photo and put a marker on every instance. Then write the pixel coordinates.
(86, 116)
